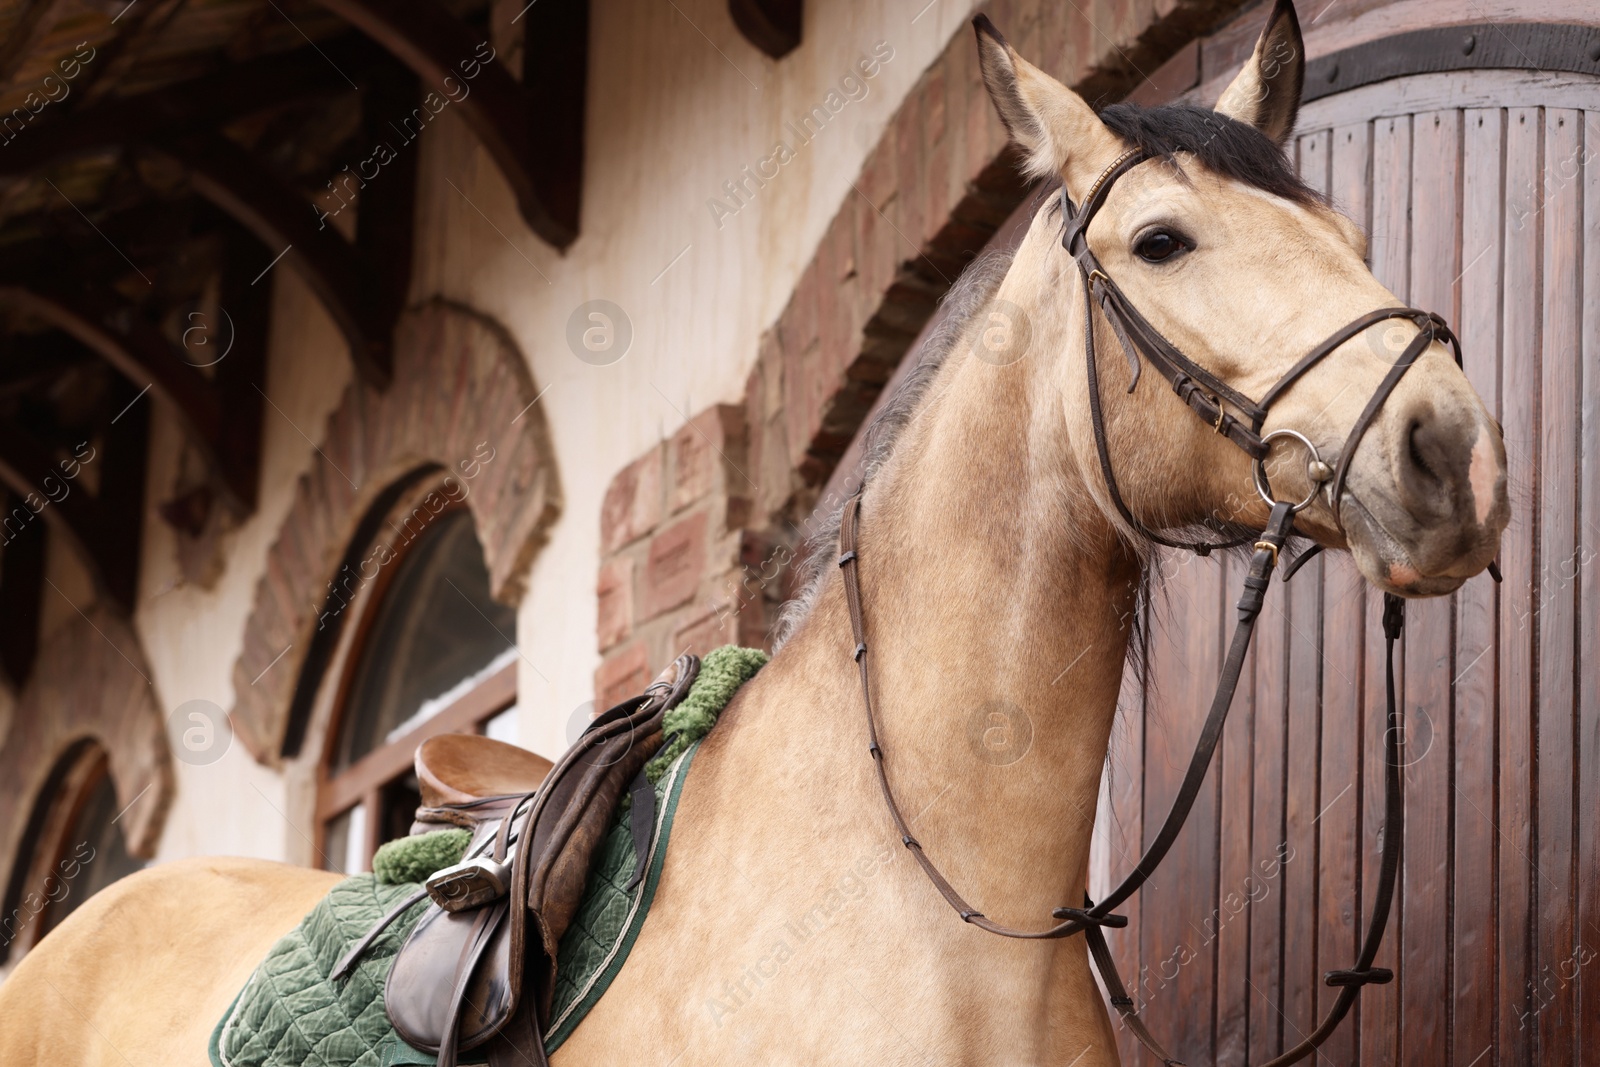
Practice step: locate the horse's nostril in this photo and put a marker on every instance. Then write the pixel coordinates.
(1417, 449)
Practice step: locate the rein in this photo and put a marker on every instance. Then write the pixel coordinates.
(1209, 397)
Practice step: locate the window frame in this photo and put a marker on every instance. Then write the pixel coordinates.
(363, 781)
(338, 791)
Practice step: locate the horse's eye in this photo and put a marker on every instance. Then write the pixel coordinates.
(1159, 246)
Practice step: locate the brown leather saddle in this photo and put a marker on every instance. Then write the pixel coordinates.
(478, 969)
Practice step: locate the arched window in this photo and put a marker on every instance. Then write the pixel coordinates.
(431, 652)
(72, 848)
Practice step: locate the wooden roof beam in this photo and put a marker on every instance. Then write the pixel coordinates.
(527, 128)
(771, 25)
(44, 488)
(145, 358)
(304, 74)
(286, 223)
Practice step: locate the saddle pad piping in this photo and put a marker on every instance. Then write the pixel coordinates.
(600, 980)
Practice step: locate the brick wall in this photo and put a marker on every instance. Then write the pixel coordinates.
(936, 187)
(674, 539)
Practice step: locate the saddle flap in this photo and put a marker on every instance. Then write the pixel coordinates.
(443, 949)
(564, 852)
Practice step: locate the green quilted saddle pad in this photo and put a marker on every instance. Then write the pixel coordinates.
(291, 1014)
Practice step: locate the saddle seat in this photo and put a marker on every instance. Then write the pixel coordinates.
(461, 768)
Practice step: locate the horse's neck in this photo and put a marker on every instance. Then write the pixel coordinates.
(998, 608)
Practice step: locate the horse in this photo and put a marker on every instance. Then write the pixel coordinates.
(994, 554)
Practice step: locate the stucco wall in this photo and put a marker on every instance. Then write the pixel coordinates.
(192, 634)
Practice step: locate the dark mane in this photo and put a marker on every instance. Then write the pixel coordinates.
(1226, 146)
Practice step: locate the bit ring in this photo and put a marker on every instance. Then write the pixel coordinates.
(1259, 474)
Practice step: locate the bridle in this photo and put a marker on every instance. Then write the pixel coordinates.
(1207, 395)
(1210, 398)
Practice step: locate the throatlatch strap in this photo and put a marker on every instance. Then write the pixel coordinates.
(1097, 422)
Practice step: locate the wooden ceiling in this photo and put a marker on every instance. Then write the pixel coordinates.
(159, 161)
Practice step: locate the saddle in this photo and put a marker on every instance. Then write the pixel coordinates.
(455, 769)
(478, 969)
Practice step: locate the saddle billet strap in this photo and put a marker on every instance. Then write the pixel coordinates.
(641, 824)
(518, 1044)
(484, 924)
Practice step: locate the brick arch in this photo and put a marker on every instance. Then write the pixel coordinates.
(91, 681)
(695, 550)
(459, 381)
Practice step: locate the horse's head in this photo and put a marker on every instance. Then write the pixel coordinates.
(1241, 267)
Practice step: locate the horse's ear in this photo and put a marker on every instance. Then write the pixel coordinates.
(1266, 94)
(1057, 130)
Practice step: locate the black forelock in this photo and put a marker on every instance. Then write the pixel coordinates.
(1223, 145)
